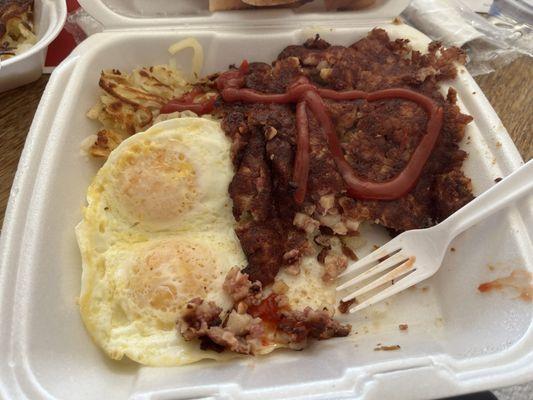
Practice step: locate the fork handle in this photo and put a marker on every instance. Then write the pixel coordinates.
(517, 184)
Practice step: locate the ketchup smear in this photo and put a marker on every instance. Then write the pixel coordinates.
(267, 310)
(310, 98)
(187, 103)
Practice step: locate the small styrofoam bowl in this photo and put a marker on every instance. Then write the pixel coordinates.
(50, 16)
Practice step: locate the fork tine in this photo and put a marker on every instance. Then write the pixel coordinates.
(376, 255)
(390, 291)
(382, 266)
(395, 273)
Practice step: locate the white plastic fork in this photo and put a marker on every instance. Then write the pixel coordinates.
(417, 254)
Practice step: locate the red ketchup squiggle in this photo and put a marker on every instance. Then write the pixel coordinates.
(232, 78)
(200, 108)
(402, 183)
(187, 103)
(301, 162)
(308, 96)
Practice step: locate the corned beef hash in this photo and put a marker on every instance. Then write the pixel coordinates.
(228, 204)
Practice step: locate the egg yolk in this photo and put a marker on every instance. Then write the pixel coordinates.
(154, 184)
(167, 275)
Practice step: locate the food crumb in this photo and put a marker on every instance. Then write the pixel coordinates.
(473, 92)
(452, 249)
(387, 348)
(375, 246)
(397, 21)
(491, 267)
(498, 179)
(425, 289)
(498, 144)
(403, 327)
(344, 306)
(348, 252)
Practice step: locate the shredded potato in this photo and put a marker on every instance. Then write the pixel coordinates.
(131, 102)
(16, 28)
(198, 54)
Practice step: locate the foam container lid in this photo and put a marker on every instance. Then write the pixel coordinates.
(49, 16)
(128, 14)
(458, 341)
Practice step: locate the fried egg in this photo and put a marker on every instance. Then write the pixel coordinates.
(157, 232)
(173, 177)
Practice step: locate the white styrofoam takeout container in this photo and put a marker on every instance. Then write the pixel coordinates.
(49, 16)
(458, 340)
